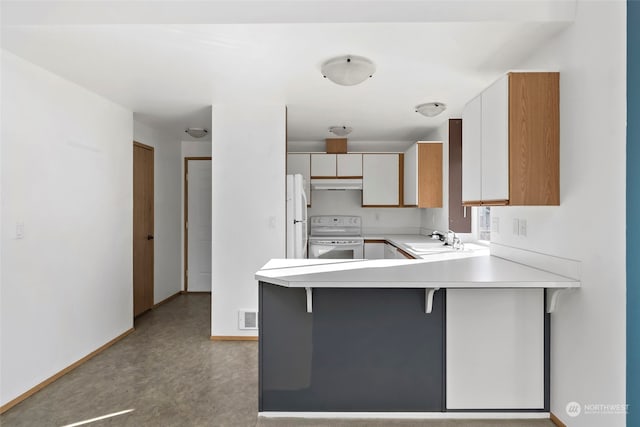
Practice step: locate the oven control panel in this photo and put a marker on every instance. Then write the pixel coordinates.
(336, 226)
(336, 220)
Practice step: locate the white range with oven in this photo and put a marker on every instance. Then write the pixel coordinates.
(336, 237)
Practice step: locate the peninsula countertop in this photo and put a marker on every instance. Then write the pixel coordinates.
(447, 270)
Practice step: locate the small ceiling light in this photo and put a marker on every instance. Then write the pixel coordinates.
(340, 130)
(348, 70)
(197, 132)
(431, 109)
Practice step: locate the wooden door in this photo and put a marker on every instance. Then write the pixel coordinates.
(142, 228)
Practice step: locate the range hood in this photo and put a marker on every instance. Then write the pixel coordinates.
(336, 184)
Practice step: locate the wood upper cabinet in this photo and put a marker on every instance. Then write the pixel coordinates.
(511, 142)
(423, 175)
(380, 180)
(301, 163)
(336, 165)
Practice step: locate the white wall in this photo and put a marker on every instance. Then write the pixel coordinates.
(167, 209)
(248, 206)
(66, 174)
(588, 328)
(374, 220)
(200, 148)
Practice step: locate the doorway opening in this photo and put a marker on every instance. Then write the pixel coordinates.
(197, 224)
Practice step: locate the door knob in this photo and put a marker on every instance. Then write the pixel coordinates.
(149, 236)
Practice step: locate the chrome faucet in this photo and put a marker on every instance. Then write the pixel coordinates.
(453, 240)
(436, 235)
(448, 241)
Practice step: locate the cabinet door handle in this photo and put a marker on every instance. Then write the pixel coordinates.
(149, 236)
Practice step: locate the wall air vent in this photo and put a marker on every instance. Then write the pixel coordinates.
(247, 319)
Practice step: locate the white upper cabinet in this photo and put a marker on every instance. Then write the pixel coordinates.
(380, 180)
(411, 176)
(511, 142)
(472, 151)
(349, 165)
(336, 165)
(301, 163)
(323, 165)
(495, 141)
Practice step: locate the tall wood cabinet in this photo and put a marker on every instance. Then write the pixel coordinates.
(511, 142)
(423, 175)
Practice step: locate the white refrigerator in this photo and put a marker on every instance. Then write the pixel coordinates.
(296, 217)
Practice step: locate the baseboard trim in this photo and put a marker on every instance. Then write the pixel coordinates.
(409, 415)
(166, 300)
(196, 292)
(233, 338)
(4, 408)
(556, 420)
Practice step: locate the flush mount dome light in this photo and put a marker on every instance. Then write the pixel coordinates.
(348, 70)
(197, 132)
(431, 109)
(340, 130)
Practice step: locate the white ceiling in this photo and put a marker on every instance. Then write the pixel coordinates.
(170, 75)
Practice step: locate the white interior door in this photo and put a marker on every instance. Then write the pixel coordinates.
(199, 225)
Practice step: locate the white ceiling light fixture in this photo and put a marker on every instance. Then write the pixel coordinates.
(348, 70)
(340, 130)
(197, 132)
(431, 109)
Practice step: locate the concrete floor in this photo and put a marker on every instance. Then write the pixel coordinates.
(171, 374)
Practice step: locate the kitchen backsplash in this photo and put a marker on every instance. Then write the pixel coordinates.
(374, 220)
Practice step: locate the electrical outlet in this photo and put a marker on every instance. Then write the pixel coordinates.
(516, 226)
(523, 227)
(20, 230)
(495, 224)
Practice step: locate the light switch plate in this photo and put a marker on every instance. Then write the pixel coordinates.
(495, 224)
(516, 226)
(19, 230)
(523, 227)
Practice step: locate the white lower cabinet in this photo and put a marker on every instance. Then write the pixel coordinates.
(495, 349)
(374, 250)
(390, 251)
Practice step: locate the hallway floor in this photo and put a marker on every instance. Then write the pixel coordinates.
(171, 374)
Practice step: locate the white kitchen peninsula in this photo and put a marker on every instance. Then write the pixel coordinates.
(452, 332)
